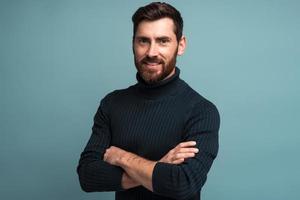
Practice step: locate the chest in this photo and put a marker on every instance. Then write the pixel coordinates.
(149, 129)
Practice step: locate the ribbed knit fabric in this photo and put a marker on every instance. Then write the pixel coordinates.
(150, 120)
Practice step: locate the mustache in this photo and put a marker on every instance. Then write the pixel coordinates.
(152, 60)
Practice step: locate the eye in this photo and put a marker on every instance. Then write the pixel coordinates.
(163, 41)
(143, 41)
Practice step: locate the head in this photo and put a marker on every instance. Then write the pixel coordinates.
(157, 40)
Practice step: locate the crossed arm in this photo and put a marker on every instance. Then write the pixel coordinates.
(107, 168)
(138, 170)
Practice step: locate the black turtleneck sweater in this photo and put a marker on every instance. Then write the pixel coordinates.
(150, 120)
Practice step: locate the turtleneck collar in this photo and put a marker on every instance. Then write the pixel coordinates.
(160, 89)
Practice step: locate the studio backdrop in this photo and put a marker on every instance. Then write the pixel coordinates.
(58, 59)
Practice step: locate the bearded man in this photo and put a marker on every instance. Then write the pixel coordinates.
(156, 139)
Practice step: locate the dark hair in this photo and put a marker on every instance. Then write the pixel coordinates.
(155, 11)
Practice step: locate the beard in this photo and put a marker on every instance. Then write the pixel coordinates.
(154, 75)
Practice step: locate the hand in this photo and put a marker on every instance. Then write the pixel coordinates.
(113, 155)
(127, 182)
(181, 152)
(137, 170)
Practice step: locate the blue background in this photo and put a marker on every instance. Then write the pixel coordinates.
(59, 58)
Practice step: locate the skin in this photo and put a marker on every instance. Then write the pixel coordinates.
(155, 49)
(176, 155)
(138, 170)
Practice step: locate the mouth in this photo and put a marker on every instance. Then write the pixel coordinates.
(151, 64)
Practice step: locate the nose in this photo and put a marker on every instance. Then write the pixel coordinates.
(152, 51)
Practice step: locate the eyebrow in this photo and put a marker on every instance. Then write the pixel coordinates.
(141, 37)
(164, 38)
(157, 38)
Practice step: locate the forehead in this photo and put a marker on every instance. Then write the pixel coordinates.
(157, 28)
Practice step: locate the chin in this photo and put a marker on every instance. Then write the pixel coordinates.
(152, 78)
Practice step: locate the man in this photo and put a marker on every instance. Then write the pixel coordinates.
(158, 138)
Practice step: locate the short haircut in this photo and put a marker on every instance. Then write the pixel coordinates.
(155, 11)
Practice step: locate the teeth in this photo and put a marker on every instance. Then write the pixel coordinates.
(152, 63)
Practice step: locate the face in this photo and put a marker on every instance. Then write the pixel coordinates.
(155, 49)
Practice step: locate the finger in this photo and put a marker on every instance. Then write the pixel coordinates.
(179, 161)
(186, 144)
(188, 150)
(184, 155)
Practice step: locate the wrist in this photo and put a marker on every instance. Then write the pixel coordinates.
(124, 159)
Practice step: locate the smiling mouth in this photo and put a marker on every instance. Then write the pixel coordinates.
(151, 63)
(151, 66)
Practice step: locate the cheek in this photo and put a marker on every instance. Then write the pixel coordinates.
(167, 56)
(169, 52)
(139, 54)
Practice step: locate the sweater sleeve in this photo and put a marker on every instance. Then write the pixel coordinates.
(186, 179)
(95, 174)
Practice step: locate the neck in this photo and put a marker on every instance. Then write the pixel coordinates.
(161, 89)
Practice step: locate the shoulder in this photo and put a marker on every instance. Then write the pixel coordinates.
(117, 96)
(200, 107)
(197, 101)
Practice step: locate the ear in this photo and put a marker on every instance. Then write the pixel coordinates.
(181, 45)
